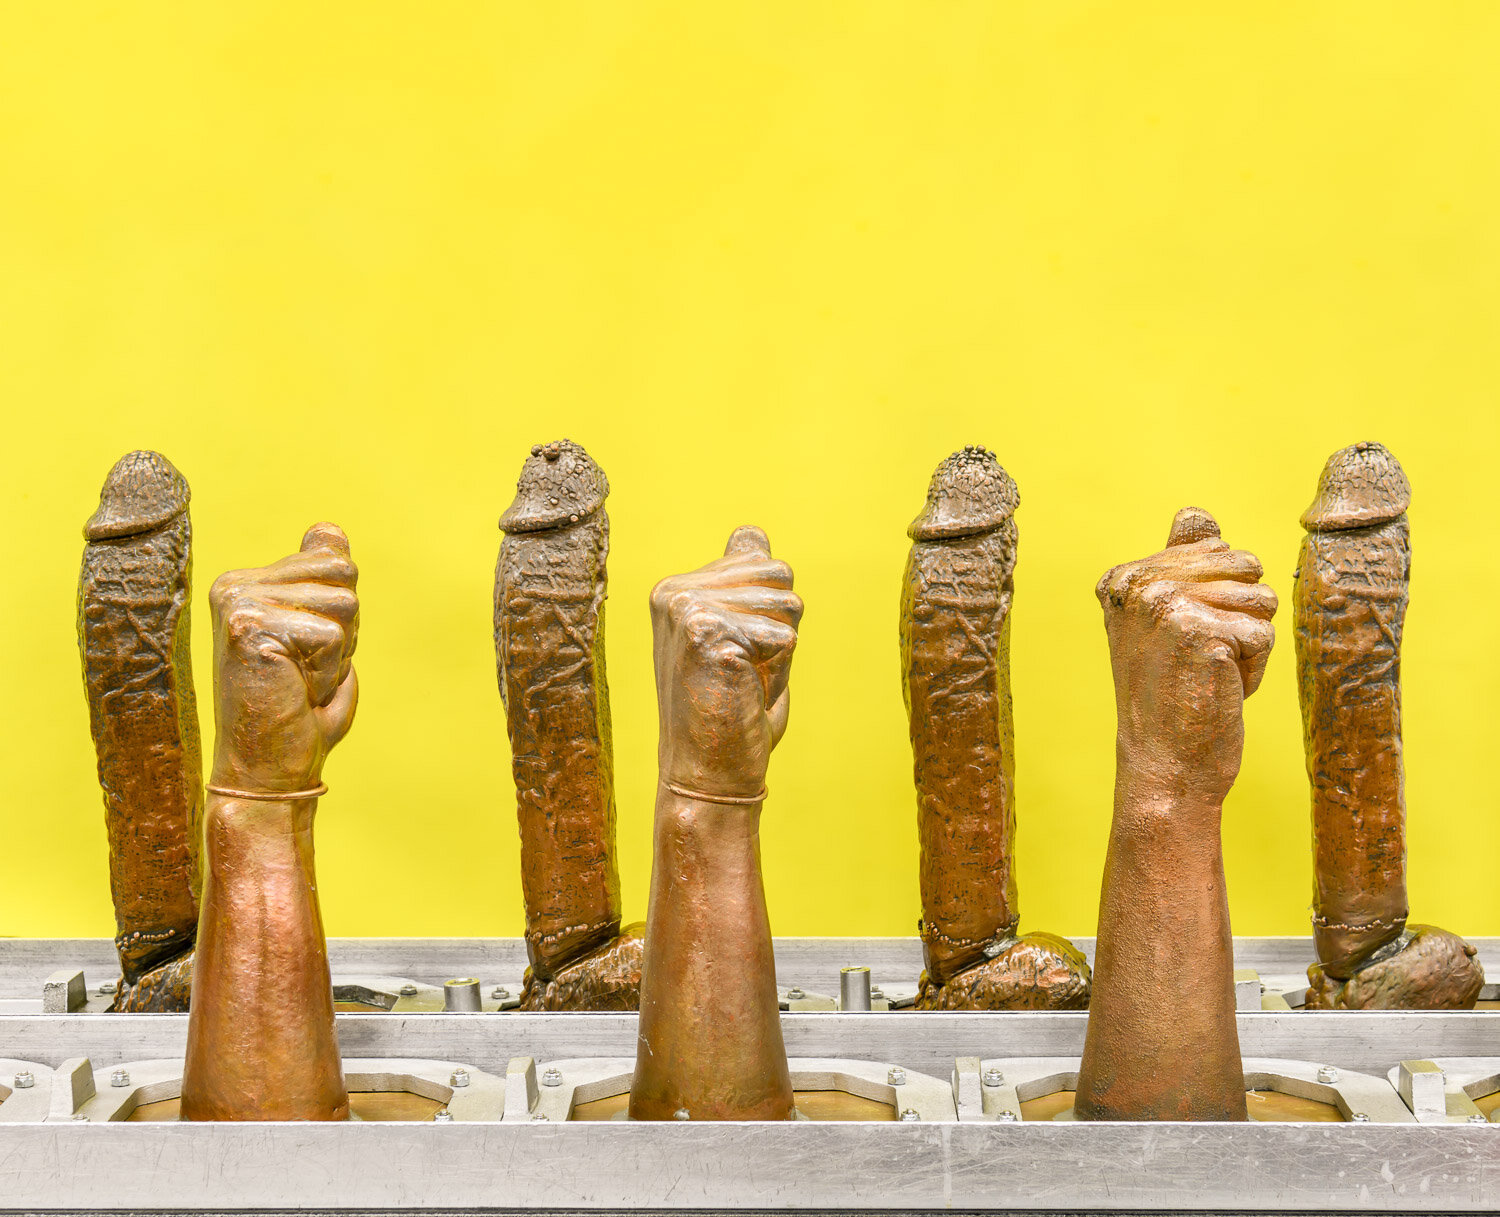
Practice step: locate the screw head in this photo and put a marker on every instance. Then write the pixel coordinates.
(1007, 1117)
(408, 990)
(442, 1116)
(909, 1115)
(1479, 1118)
(25, 1080)
(795, 994)
(895, 1076)
(1327, 1073)
(499, 992)
(1359, 1117)
(119, 1078)
(993, 1077)
(458, 1078)
(682, 1113)
(551, 1077)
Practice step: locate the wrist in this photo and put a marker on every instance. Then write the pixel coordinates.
(229, 773)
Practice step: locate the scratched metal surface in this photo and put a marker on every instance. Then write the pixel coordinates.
(771, 1166)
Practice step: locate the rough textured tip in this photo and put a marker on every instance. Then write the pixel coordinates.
(559, 485)
(1361, 486)
(1192, 524)
(142, 492)
(969, 493)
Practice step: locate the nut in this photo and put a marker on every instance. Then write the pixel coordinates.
(442, 1116)
(408, 990)
(1007, 1116)
(25, 1080)
(993, 1077)
(119, 1078)
(1327, 1073)
(909, 1115)
(552, 1077)
(459, 1078)
(896, 1076)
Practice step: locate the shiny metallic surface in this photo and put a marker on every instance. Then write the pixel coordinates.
(854, 989)
(710, 1028)
(461, 995)
(261, 1040)
(1189, 636)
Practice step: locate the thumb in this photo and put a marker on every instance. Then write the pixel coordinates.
(748, 539)
(325, 534)
(1192, 524)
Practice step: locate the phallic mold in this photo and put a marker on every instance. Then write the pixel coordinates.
(550, 587)
(1350, 599)
(134, 592)
(955, 652)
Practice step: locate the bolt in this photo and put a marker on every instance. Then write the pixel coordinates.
(1478, 1118)
(1007, 1116)
(499, 993)
(552, 1077)
(1359, 1117)
(459, 1078)
(540, 1116)
(909, 1115)
(442, 1116)
(896, 1076)
(681, 1113)
(25, 1080)
(876, 991)
(107, 987)
(1327, 1073)
(795, 994)
(993, 1077)
(119, 1078)
(80, 1117)
(408, 990)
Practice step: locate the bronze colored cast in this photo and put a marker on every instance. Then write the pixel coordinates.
(1189, 636)
(955, 668)
(261, 1039)
(1349, 603)
(550, 585)
(710, 1044)
(134, 592)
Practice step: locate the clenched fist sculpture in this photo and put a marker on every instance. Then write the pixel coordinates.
(710, 1045)
(1189, 635)
(261, 1039)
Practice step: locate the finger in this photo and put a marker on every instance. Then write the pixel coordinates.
(328, 600)
(748, 539)
(316, 644)
(1198, 562)
(1250, 641)
(322, 565)
(325, 534)
(1255, 599)
(777, 716)
(739, 569)
(774, 602)
(1192, 524)
(337, 716)
(761, 638)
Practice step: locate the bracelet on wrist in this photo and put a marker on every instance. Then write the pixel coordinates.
(732, 800)
(268, 796)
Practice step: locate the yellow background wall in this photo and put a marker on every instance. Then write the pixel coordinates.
(770, 263)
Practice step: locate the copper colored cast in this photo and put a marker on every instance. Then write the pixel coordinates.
(1349, 607)
(550, 585)
(710, 1044)
(261, 1039)
(955, 669)
(1189, 635)
(134, 592)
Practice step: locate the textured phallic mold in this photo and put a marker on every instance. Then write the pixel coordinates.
(955, 652)
(133, 632)
(1350, 597)
(550, 586)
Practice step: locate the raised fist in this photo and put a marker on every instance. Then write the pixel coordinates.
(723, 642)
(1189, 635)
(284, 683)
